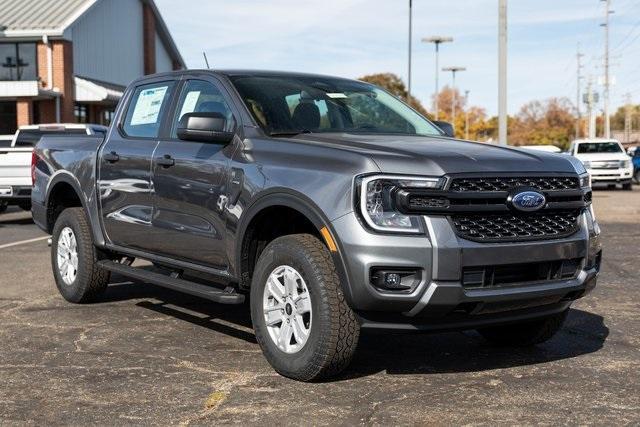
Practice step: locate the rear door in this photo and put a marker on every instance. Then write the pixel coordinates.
(191, 188)
(124, 161)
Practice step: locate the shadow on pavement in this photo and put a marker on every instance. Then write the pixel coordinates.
(457, 352)
(393, 353)
(15, 221)
(185, 307)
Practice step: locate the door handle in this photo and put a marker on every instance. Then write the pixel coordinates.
(166, 161)
(111, 157)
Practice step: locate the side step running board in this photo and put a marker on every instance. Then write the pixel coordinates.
(177, 284)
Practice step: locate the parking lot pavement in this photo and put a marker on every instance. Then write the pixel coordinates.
(145, 355)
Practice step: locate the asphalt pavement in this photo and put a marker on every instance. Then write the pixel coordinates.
(145, 355)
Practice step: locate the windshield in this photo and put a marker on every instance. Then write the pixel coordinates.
(599, 147)
(303, 104)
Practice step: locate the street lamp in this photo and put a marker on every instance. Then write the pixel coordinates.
(437, 40)
(409, 65)
(453, 70)
(466, 114)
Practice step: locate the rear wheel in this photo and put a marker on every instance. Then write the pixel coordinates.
(25, 206)
(303, 324)
(526, 333)
(3, 205)
(627, 186)
(74, 258)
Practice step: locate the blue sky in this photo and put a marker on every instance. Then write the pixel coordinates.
(352, 38)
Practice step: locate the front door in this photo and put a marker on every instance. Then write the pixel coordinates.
(190, 181)
(124, 162)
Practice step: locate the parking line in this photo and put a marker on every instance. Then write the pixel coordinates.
(23, 242)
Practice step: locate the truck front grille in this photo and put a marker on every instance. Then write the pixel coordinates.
(509, 226)
(542, 183)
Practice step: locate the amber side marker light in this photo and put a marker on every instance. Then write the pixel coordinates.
(328, 239)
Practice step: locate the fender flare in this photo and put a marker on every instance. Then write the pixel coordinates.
(63, 176)
(304, 205)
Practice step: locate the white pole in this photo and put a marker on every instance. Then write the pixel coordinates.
(502, 73)
(607, 120)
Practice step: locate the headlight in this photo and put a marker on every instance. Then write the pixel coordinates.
(585, 181)
(625, 164)
(587, 164)
(377, 201)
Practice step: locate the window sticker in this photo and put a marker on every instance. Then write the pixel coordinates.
(189, 104)
(148, 106)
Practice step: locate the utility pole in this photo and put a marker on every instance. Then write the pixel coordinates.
(410, 51)
(590, 100)
(502, 72)
(453, 70)
(437, 41)
(627, 119)
(578, 81)
(466, 114)
(607, 119)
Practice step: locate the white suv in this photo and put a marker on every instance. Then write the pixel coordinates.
(605, 160)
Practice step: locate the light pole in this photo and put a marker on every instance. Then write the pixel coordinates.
(453, 70)
(502, 72)
(437, 41)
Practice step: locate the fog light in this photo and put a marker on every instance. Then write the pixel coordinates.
(394, 279)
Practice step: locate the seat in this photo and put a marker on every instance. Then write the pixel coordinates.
(306, 116)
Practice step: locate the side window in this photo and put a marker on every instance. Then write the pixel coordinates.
(200, 96)
(146, 109)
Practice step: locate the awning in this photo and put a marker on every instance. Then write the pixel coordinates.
(88, 90)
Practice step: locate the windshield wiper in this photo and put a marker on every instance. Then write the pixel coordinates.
(291, 132)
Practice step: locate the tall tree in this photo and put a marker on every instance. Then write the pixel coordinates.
(394, 85)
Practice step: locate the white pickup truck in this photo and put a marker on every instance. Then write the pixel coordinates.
(15, 160)
(605, 160)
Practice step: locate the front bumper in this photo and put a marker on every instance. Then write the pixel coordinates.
(440, 300)
(611, 176)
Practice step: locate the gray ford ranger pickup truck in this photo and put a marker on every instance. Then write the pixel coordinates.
(327, 204)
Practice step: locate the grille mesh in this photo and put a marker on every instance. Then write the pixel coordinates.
(509, 227)
(543, 183)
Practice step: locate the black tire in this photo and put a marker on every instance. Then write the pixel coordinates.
(334, 329)
(25, 206)
(627, 186)
(90, 280)
(4, 205)
(525, 334)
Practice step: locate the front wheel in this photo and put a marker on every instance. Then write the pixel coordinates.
(526, 333)
(627, 186)
(303, 324)
(74, 258)
(3, 205)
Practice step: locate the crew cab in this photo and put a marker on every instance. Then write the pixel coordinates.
(327, 203)
(15, 160)
(605, 160)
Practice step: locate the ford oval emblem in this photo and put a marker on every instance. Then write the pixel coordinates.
(528, 201)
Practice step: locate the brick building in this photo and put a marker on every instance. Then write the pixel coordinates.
(70, 60)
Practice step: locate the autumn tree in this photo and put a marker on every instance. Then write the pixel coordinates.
(548, 122)
(394, 85)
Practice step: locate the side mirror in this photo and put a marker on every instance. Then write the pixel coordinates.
(445, 127)
(204, 127)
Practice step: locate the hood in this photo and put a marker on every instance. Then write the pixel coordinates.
(418, 155)
(591, 157)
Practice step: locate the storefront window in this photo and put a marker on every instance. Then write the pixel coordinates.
(18, 61)
(81, 113)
